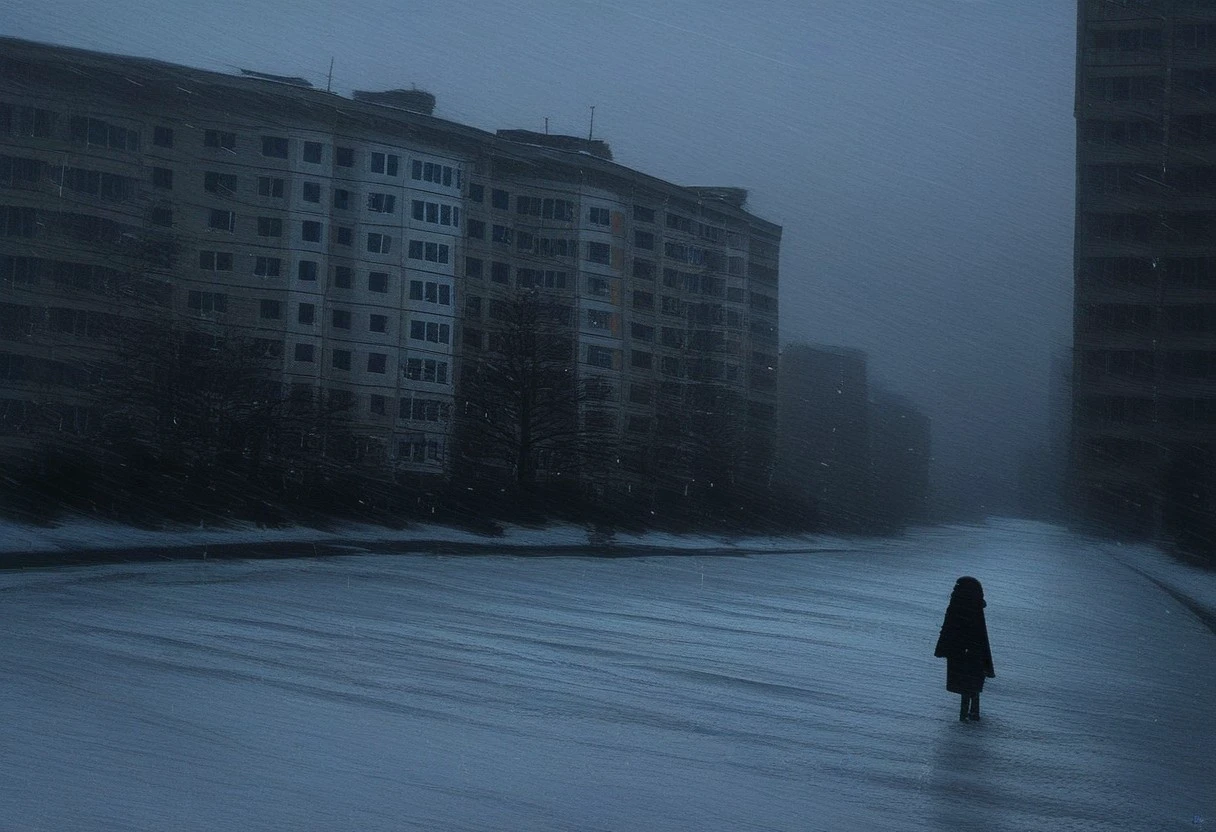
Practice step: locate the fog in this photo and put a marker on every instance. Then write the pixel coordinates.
(919, 155)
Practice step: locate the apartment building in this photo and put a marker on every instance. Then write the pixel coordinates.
(1144, 377)
(361, 245)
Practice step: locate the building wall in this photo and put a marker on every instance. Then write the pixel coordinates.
(1145, 328)
(364, 248)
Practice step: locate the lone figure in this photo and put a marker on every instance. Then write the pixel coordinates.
(963, 643)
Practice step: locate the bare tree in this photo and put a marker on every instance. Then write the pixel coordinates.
(518, 405)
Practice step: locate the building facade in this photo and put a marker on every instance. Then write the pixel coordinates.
(1144, 357)
(360, 247)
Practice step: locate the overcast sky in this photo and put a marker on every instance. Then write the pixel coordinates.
(918, 153)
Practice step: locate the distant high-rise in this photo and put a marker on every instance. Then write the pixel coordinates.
(1144, 380)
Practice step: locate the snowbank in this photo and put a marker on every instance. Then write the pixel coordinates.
(86, 535)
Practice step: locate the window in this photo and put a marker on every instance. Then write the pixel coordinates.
(528, 205)
(599, 216)
(376, 404)
(599, 357)
(207, 301)
(344, 157)
(477, 193)
(434, 212)
(670, 366)
(641, 360)
(435, 172)
(671, 306)
(310, 231)
(341, 199)
(735, 294)
(270, 227)
(311, 191)
(306, 314)
(431, 252)
(344, 236)
(599, 319)
(381, 203)
(341, 319)
(502, 234)
(472, 267)
(385, 163)
(270, 310)
(640, 393)
(162, 136)
(642, 214)
(377, 282)
(267, 266)
(87, 131)
(643, 239)
(431, 292)
(472, 337)
(377, 323)
(500, 272)
(162, 178)
(377, 362)
(221, 220)
(598, 286)
(599, 253)
(557, 209)
(340, 359)
(308, 270)
(431, 331)
(476, 229)
(540, 278)
(643, 269)
(271, 186)
(426, 369)
(219, 139)
(672, 338)
(342, 277)
(641, 332)
(215, 261)
(223, 184)
(379, 243)
(312, 152)
(500, 199)
(274, 146)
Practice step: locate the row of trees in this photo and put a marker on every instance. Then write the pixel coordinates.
(192, 422)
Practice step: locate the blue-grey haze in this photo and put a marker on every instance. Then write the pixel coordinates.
(919, 154)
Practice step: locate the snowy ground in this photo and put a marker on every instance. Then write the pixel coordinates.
(783, 692)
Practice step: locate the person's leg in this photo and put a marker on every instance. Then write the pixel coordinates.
(975, 706)
(962, 708)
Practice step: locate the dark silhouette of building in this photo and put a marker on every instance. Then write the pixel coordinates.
(901, 450)
(1144, 378)
(823, 449)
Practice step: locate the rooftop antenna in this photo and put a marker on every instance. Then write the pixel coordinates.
(591, 129)
(546, 125)
(330, 80)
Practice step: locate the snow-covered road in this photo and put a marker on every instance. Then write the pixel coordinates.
(772, 692)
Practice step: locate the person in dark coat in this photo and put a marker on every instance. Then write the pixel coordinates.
(963, 643)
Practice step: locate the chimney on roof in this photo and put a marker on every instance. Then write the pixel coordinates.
(416, 101)
(594, 147)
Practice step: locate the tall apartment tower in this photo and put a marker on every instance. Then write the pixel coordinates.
(1144, 380)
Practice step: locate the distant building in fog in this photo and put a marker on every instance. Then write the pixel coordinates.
(823, 446)
(1144, 376)
(901, 449)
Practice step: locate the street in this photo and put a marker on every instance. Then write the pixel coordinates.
(761, 692)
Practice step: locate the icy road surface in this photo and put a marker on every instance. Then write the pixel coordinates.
(771, 692)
